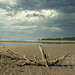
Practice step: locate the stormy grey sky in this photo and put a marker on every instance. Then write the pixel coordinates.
(34, 19)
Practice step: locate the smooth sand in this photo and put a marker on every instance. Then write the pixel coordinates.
(54, 51)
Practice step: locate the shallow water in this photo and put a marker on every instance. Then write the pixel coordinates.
(14, 44)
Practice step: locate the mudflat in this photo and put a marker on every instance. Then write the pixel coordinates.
(53, 51)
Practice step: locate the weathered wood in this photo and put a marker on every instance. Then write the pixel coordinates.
(23, 60)
(44, 59)
(42, 53)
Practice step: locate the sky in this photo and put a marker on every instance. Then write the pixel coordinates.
(35, 19)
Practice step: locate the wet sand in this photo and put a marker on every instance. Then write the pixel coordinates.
(54, 51)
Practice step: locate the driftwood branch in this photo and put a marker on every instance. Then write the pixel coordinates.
(21, 60)
(44, 59)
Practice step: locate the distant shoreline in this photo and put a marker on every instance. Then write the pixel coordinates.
(38, 41)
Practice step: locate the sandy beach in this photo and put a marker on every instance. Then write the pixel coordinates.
(54, 51)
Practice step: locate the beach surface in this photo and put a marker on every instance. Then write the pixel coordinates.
(53, 51)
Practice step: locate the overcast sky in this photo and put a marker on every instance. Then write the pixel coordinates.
(34, 19)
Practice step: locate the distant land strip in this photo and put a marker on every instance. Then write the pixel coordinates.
(64, 38)
(40, 41)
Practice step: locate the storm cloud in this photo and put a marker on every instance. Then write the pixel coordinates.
(34, 19)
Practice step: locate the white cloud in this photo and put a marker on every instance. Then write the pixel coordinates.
(12, 23)
(22, 27)
(3, 12)
(5, 18)
(26, 15)
(18, 28)
(52, 29)
(33, 15)
(9, 2)
(3, 15)
(49, 13)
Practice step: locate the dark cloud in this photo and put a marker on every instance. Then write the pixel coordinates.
(29, 4)
(67, 6)
(65, 20)
(62, 5)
